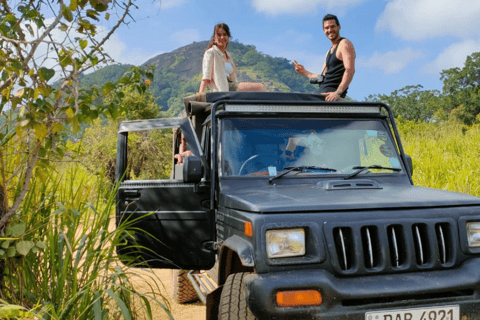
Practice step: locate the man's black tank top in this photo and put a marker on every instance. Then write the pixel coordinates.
(334, 75)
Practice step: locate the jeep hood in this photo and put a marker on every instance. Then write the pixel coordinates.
(309, 198)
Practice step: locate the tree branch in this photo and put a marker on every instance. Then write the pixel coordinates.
(48, 30)
(119, 22)
(26, 185)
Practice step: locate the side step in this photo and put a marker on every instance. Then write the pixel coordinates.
(203, 282)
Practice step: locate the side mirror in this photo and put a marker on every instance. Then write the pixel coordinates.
(409, 164)
(192, 169)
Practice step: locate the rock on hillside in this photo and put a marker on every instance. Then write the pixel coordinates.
(186, 61)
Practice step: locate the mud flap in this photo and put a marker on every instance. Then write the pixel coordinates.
(213, 301)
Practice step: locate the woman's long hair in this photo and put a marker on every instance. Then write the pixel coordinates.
(218, 26)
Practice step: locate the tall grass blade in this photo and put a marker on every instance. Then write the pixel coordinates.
(125, 312)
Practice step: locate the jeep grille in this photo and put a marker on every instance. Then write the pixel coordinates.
(385, 248)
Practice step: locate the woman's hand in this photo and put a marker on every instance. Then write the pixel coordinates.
(179, 156)
(204, 84)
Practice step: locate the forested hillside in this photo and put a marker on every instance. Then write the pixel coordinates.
(178, 73)
(108, 74)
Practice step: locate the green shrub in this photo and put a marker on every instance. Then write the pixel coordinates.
(71, 269)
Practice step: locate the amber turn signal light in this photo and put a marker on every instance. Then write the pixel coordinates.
(248, 229)
(300, 298)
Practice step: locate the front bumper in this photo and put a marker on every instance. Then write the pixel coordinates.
(351, 297)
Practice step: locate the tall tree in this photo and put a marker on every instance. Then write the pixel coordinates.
(455, 79)
(40, 62)
(461, 91)
(410, 102)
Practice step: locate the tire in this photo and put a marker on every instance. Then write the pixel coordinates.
(183, 290)
(233, 300)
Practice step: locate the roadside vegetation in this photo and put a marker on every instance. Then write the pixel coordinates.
(445, 155)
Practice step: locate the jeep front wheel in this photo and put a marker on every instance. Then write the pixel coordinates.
(233, 300)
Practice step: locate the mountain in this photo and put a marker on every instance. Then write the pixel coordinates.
(107, 74)
(186, 62)
(178, 73)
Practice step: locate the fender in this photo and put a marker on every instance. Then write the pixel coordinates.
(243, 248)
(236, 255)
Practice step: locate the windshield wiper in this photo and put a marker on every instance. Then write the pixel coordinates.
(299, 168)
(373, 166)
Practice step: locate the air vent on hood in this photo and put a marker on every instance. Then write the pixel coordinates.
(348, 184)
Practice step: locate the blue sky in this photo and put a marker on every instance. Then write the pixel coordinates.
(397, 42)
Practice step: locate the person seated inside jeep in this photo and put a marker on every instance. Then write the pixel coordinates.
(320, 148)
(183, 151)
(312, 142)
(313, 145)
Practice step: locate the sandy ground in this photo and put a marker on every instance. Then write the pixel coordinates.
(163, 279)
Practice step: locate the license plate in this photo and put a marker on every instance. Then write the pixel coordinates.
(436, 313)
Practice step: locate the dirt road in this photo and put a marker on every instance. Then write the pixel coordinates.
(189, 311)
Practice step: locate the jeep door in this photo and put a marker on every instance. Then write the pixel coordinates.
(168, 219)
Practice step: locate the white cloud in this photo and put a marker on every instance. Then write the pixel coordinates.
(119, 51)
(390, 62)
(276, 7)
(167, 4)
(186, 36)
(452, 57)
(421, 19)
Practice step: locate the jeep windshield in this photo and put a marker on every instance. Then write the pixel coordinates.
(268, 147)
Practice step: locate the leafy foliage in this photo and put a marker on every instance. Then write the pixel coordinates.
(460, 99)
(132, 99)
(109, 73)
(461, 91)
(38, 113)
(410, 102)
(150, 152)
(468, 77)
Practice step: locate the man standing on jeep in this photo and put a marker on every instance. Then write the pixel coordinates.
(339, 65)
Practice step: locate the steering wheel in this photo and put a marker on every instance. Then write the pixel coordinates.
(259, 163)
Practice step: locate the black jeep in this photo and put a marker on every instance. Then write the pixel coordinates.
(306, 208)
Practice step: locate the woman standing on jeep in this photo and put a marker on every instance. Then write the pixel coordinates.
(219, 71)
